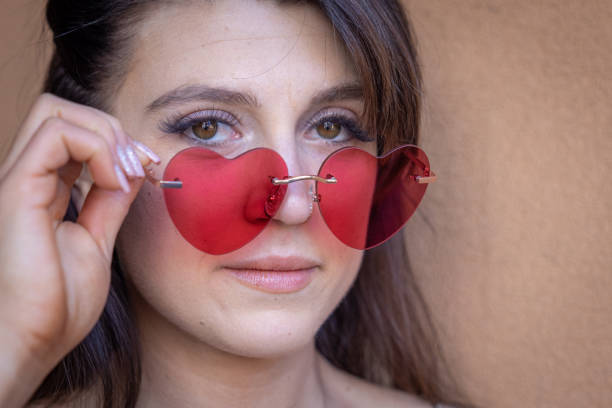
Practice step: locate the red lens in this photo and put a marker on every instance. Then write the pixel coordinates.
(223, 203)
(345, 205)
(374, 197)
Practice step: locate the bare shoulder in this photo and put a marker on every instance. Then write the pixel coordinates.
(346, 390)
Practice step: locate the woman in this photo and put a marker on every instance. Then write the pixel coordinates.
(122, 306)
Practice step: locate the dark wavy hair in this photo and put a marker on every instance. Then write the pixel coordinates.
(382, 329)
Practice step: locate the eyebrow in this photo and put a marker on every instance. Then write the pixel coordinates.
(200, 92)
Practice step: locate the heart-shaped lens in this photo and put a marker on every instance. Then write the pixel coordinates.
(374, 197)
(345, 205)
(223, 203)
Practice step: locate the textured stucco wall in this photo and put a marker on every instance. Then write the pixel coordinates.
(517, 258)
(24, 51)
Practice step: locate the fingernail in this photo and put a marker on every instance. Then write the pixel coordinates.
(125, 161)
(135, 161)
(155, 158)
(122, 180)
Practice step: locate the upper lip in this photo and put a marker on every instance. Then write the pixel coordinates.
(275, 263)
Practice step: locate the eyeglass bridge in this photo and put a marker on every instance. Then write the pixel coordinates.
(328, 180)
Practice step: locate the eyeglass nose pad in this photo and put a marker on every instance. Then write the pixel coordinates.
(275, 199)
(314, 196)
(296, 204)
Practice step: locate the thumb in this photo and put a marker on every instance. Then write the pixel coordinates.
(103, 213)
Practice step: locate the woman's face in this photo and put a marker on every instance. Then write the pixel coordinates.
(282, 57)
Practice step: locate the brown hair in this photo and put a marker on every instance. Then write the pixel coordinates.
(382, 330)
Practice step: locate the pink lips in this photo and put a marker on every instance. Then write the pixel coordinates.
(274, 274)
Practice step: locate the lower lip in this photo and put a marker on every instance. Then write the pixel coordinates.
(274, 281)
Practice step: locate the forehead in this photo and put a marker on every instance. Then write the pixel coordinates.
(275, 51)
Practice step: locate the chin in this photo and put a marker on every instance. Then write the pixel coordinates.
(263, 333)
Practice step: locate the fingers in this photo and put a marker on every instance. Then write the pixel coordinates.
(67, 177)
(103, 213)
(142, 149)
(55, 143)
(50, 106)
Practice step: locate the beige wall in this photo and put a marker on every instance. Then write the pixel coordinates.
(517, 259)
(24, 51)
(513, 243)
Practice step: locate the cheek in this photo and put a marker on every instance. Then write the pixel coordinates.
(342, 269)
(181, 284)
(157, 260)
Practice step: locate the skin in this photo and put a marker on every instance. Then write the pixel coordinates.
(205, 337)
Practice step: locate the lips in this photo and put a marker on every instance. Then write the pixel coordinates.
(274, 263)
(273, 273)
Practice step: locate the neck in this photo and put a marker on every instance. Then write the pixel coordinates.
(180, 370)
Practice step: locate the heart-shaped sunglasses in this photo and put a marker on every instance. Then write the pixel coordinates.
(219, 205)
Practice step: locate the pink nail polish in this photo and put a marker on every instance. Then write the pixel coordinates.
(122, 180)
(135, 161)
(125, 162)
(155, 158)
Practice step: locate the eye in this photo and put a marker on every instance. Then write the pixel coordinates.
(210, 127)
(337, 128)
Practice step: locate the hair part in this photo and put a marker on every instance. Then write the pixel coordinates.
(93, 42)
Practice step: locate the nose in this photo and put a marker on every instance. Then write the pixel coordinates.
(297, 204)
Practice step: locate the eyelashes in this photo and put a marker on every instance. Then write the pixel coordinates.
(346, 122)
(177, 124)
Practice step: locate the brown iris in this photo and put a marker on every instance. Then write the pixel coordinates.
(206, 129)
(329, 129)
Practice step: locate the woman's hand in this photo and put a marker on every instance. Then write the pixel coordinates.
(55, 275)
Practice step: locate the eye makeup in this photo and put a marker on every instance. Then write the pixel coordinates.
(343, 120)
(178, 124)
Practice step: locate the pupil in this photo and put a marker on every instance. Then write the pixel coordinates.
(206, 130)
(328, 129)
